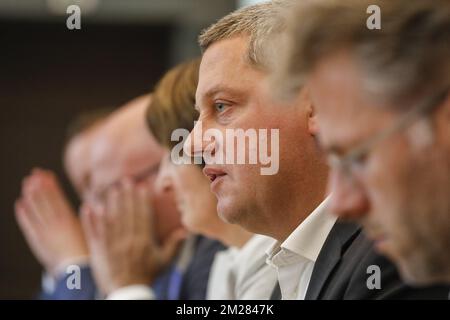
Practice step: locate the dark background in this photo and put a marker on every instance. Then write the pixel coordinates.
(49, 74)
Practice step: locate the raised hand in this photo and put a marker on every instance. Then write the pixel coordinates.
(48, 222)
(121, 237)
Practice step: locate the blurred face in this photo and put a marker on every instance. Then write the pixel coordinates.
(125, 149)
(193, 197)
(76, 164)
(232, 94)
(399, 189)
(140, 164)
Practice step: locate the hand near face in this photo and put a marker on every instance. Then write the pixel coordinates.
(121, 237)
(48, 222)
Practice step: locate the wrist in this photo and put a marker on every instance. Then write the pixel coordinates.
(132, 280)
(134, 292)
(61, 266)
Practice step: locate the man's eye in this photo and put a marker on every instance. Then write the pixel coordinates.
(359, 160)
(220, 107)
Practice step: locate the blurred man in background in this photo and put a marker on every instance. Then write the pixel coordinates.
(383, 104)
(48, 220)
(132, 228)
(123, 150)
(50, 224)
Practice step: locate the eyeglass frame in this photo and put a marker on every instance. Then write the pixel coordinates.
(347, 162)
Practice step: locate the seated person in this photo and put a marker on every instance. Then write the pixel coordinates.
(239, 272)
(45, 215)
(133, 231)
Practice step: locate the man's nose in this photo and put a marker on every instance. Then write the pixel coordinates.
(195, 143)
(348, 198)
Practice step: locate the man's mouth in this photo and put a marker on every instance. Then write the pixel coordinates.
(213, 173)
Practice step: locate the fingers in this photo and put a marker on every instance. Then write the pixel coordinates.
(35, 200)
(43, 194)
(88, 221)
(129, 198)
(55, 195)
(126, 207)
(100, 222)
(144, 213)
(113, 212)
(27, 223)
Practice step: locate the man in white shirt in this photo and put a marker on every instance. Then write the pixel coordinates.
(242, 273)
(234, 94)
(294, 259)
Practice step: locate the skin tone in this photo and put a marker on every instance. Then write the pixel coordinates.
(399, 192)
(196, 203)
(48, 222)
(233, 94)
(75, 164)
(44, 214)
(121, 237)
(124, 148)
(132, 230)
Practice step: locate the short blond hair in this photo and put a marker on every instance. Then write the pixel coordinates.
(409, 55)
(258, 22)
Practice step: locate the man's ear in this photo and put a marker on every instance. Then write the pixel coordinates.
(313, 128)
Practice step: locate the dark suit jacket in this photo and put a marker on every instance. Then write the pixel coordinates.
(193, 285)
(341, 271)
(196, 278)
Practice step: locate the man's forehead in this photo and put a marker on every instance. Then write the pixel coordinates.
(107, 172)
(224, 58)
(225, 69)
(227, 50)
(344, 112)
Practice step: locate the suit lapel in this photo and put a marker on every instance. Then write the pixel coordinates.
(276, 293)
(329, 256)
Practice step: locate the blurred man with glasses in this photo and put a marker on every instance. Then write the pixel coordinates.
(383, 108)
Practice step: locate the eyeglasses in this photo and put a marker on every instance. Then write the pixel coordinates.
(351, 163)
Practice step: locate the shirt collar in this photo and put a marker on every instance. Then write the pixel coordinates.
(308, 238)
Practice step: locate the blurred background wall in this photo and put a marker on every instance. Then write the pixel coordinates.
(48, 74)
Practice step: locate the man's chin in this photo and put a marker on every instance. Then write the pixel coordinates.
(417, 270)
(225, 216)
(413, 275)
(227, 211)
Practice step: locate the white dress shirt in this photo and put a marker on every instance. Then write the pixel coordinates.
(294, 259)
(242, 274)
(133, 292)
